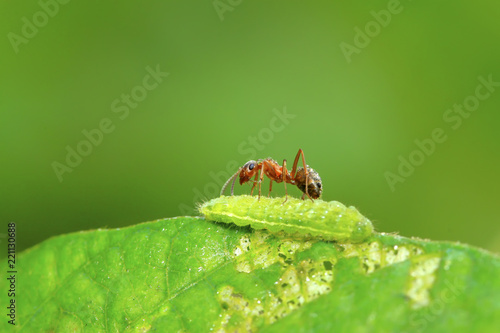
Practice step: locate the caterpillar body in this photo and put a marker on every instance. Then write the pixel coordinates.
(330, 221)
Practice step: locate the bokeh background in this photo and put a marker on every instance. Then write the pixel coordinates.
(247, 79)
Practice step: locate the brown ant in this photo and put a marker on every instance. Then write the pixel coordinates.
(306, 178)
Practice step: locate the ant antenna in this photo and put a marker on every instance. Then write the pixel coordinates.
(232, 178)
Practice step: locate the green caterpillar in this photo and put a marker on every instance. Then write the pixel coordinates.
(330, 221)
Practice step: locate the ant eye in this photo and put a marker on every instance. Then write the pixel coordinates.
(318, 185)
(251, 166)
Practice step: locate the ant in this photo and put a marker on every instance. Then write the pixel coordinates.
(306, 178)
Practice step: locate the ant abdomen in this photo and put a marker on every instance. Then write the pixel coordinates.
(314, 186)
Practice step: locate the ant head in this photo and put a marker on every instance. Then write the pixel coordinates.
(248, 171)
(314, 185)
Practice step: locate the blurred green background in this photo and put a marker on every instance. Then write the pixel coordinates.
(352, 84)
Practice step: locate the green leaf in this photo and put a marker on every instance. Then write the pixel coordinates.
(187, 274)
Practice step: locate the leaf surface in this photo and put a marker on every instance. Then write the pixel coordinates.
(187, 274)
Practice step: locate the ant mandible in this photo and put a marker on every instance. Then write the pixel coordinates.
(306, 178)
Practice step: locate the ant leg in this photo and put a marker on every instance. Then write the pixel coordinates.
(306, 171)
(262, 171)
(270, 188)
(284, 172)
(294, 169)
(254, 183)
